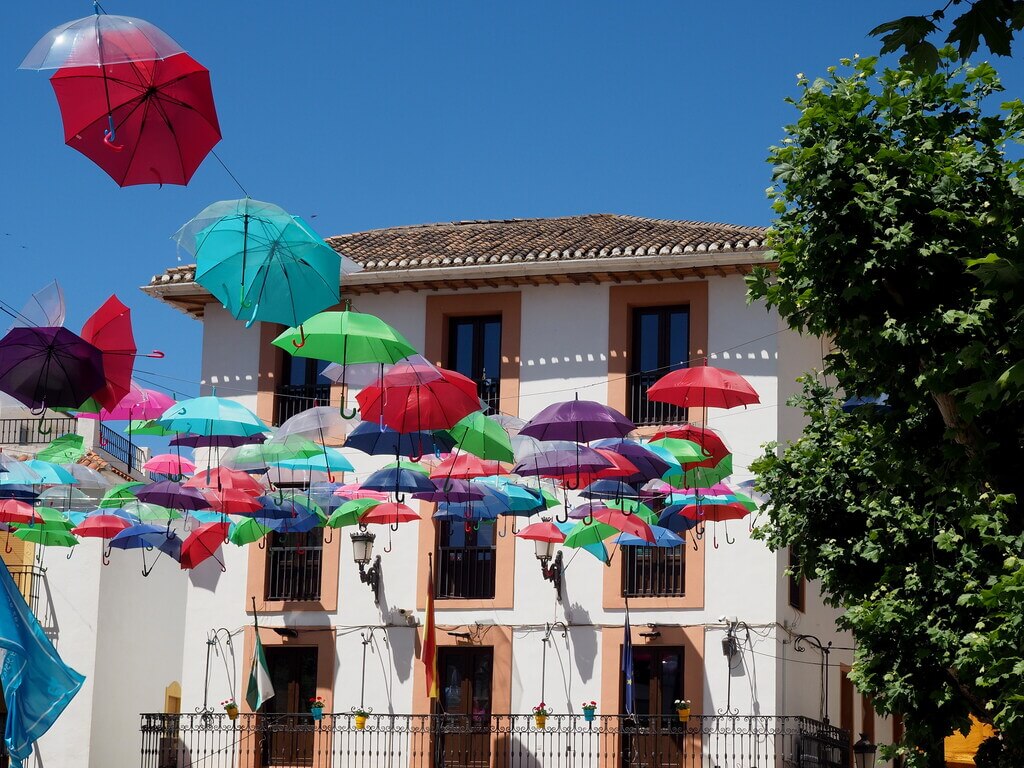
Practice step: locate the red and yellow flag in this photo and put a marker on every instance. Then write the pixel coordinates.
(429, 652)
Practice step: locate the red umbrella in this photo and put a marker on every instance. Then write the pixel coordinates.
(143, 122)
(708, 439)
(715, 512)
(224, 479)
(409, 399)
(101, 527)
(109, 329)
(620, 521)
(389, 514)
(542, 531)
(231, 501)
(465, 466)
(620, 465)
(14, 511)
(203, 543)
(703, 387)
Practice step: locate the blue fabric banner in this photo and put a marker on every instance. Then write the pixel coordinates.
(628, 695)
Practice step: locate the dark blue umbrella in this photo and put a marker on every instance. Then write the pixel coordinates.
(172, 495)
(18, 492)
(146, 536)
(49, 367)
(609, 489)
(273, 509)
(377, 440)
(673, 521)
(649, 465)
(399, 480)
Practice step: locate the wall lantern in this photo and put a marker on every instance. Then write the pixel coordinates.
(864, 752)
(362, 553)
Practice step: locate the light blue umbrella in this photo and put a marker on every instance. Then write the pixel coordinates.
(663, 537)
(212, 415)
(330, 460)
(50, 474)
(597, 548)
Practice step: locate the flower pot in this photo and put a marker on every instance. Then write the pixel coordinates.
(232, 713)
(588, 715)
(317, 712)
(360, 722)
(541, 720)
(684, 715)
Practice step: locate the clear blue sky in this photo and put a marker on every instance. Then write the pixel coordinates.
(375, 114)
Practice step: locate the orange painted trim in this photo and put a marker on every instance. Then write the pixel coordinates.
(508, 305)
(256, 579)
(693, 584)
(690, 639)
(269, 375)
(622, 299)
(504, 568)
(324, 640)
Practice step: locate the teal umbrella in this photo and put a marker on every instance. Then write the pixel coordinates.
(328, 460)
(261, 262)
(212, 415)
(50, 474)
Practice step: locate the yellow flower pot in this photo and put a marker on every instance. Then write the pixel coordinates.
(360, 722)
(541, 720)
(232, 713)
(684, 715)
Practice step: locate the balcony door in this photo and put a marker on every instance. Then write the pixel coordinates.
(474, 350)
(661, 343)
(302, 384)
(655, 738)
(293, 675)
(463, 738)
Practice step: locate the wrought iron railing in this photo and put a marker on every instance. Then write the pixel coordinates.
(121, 448)
(34, 431)
(653, 571)
(31, 582)
(294, 567)
(644, 412)
(295, 398)
(489, 391)
(491, 741)
(465, 572)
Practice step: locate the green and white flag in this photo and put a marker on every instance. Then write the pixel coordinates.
(260, 688)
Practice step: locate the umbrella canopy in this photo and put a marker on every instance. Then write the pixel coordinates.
(212, 415)
(100, 39)
(483, 437)
(713, 512)
(88, 478)
(172, 495)
(64, 450)
(684, 451)
(581, 460)
(247, 531)
(44, 308)
(620, 466)
(398, 480)
(224, 479)
(346, 338)
(148, 513)
(703, 387)
(466, 466)
(375, 439)
(49, 367)
(542, 531)
(649, 464)
(328, 460)
(609, 489)
(699, 476)
(388, 514)
(109, 329)
(355, 491)
(447, 491)
(663, 537)
(143, 122)
(46, 537)
(17, 492)
(145, 535)
(260, 262)
(149, 427)
(50, 474)
(711, 443)
(350, 512)
(15, 511)
(138, 406)
(672, 521)
(101, 526)
(232, 501)
(203, 544)
(169, 464)
(321, 423)
(120, 494)
(262, 455)
(414, 396)
(213, 441)
(577, 420)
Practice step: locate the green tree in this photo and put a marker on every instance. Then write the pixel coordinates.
(899, 236)
(994, 22)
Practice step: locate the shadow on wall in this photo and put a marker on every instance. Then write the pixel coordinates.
(560, 366)
(583, 639)
(206, 575)
(746, 361)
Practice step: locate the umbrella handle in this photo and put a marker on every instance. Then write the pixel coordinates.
(156, 354)
(416, 459)
(103, 440)
(71, 551)
(330, 535)
(105, 555)
(394, 527)
(589, 519)
(262, 543)
(330, 476)
(728, 538)
(347, 414)
(388, 547)
(562, 519)
(302, 343)
(7, 544)
(108, 140)
(502, 533)
(467, 526)
(576, 486)
(399, 497)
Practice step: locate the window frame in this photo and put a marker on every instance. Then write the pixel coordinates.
(478, 354)
(640, 379)
(443, 527)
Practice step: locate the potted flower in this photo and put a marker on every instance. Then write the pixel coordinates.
(360, 714)
(589, 708)
(316, 707)
(540, 714)
(683, 709)
(231, 708)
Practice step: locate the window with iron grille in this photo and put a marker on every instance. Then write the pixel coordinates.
(302, 385)
(474, 350)
(654, 571)
(660, 343)
(797, 583)
(294, 566)
(466, 558)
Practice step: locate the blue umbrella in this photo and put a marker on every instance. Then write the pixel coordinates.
(663, 537)
(609, 489)
(398, 480)
(330, 460)
(520, 500)
(466, 512)
(50, 474)
(878, 402)
(673, 521)
(212, 415)
(374, 439)
(18, 492)
(146, 536)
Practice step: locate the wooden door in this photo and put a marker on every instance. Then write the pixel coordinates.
(287, 723)
(463, 709)
(654, 738)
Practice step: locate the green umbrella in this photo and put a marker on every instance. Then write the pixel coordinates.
(247, 531)
(66, 449)
(150, 513)
(583, 535)
(483, 437)
(745, 500)
(48, 518)
(412, 466)
(148, 427)
(684, 451)
(119, 494)
(46, 537)
(350, 512)
(702, 477)
(346, 338)
(260, 455)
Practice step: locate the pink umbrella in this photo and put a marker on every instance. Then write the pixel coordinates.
(169, 464)
(138, 404)
(354, 491)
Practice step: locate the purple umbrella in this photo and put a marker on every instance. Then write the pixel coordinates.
(171, 495)
(578, 420)
(49, 367)
(451, 490)
(648, 463)
(559, 463)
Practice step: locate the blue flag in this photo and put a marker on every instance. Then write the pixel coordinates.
(37, 684)
(628, 695)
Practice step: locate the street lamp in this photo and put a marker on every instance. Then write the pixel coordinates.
(864, 752)
(362, 552)
(545, 551)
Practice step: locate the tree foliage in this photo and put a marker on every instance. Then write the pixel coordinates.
(899, 236)
(992, 22)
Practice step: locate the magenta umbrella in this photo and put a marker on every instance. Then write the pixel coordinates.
(169, 464)
(138, 405)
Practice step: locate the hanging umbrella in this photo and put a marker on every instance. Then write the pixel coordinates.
(465, 466)
(172, 495)
(663, 537)
(411, 466)
(398, 480)
(88, 478)
(703, 387)
(148, 513)
(672, 521)
(355, 491)
(329, 460)
(520, 500)
(542, 531)
(648, 464)
(350, 512)
(14, 511)
(578, 420)
(262, 455)
(139, 407)
(684, 451)
(713, 512)
(620, 466)
(582, 461)
(44, 308)
(377, 440)
(633, 507)
(586, 533)
(50, 474)
(120, 494)
(388, 514)
(203, 544)
(418, 396)
(49, 518)
(49, 367)
(109, 329)
(483, 437)
(609, 489)
(321, 423)
(47, 538)
(700, 476)
(169, 464)
(215, 441)
(260, 262)
(100, 526)
(587, 542)
(17, 492)
(447, 491)
(222, 478)
(14, 472)
(144, 536)
(64, 450)
(247, 531)
(100, 39)
(711, 443)
(148, 427)
(212, 415)
(232, 502)
(67, 497)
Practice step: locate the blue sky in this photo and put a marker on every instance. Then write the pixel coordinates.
(386, 113)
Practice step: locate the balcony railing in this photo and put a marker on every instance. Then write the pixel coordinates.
(34, 431)
(646, 412)
(465, 572)
(491, 741)
(121, 448)
(489, 390)
(294, 567)
(295, 398)
(654, 571)
(31, 582)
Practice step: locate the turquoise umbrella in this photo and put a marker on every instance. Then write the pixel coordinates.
(212, 415)
(261, 262)
(329, 460)
(50, 474)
